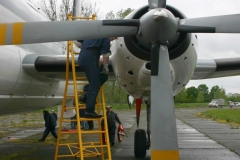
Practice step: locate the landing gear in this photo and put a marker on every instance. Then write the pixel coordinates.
(140, 143)
(148, 125)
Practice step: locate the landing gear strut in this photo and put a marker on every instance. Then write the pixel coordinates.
(142, 140)
(148, 125)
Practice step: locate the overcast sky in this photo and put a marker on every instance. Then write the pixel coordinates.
(210, 45)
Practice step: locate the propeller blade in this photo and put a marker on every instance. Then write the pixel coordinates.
(155, 58)
(156, 4)
(40, 32)
(162, 119)
(215, 24)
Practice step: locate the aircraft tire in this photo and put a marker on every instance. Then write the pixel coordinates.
(140, 143)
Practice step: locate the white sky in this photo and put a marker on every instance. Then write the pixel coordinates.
(210, 45)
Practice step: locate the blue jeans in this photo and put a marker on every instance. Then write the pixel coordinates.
(84, 124)
(73, 124)
(89, 63)
(47, 131)
(103, 79)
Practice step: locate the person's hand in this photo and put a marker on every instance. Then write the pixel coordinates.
(105, 68)
(78, 44)
(112, 38)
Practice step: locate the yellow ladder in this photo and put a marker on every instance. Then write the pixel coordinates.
(79, 143)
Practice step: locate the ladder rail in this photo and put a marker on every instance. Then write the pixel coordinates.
(76, 99)
(105, 122)
(63, 102)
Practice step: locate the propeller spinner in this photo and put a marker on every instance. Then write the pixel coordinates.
(158, 26)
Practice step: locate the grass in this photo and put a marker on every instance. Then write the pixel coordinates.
(230, 116)
(190, 105)
(19, 156)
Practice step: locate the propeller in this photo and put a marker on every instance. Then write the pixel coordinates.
(40, 32)
(214, 24)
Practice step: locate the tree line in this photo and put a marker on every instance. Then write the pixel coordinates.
(202, 94)
(115, 94)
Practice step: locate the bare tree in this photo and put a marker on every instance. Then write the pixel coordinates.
(110, 15)
(89, 8)
(66, 7)
(58, 11)
(49, 7)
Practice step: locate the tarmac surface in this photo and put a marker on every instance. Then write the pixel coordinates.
(198, 139)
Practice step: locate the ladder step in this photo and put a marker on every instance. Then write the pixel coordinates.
(78, 83)
(96, 146)
(70, 96)
(82, 105)
(82, 131)
(90, 146)
(81, 78)
(90, 119)
(69, 108)
(82, 119)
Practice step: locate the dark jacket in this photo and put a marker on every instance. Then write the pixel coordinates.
(50, 121)
(55, 115)
(102, 45)
(112, 118)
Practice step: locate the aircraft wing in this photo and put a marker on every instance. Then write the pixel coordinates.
(214, 68)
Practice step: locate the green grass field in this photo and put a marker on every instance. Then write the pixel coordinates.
(223, 115)
(190, 105)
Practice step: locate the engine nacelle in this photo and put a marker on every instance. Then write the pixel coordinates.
(132, 62)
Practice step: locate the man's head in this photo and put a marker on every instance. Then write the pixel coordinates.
(109, 108)
(52, 111)
(45, 112)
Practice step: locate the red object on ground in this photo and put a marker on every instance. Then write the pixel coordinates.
(121, 132)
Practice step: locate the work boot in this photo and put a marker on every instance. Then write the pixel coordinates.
(92, 115)
(83, 97)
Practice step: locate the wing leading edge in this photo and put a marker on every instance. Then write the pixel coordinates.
(215, 68)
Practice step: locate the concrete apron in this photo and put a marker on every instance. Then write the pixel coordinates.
(192, 144)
